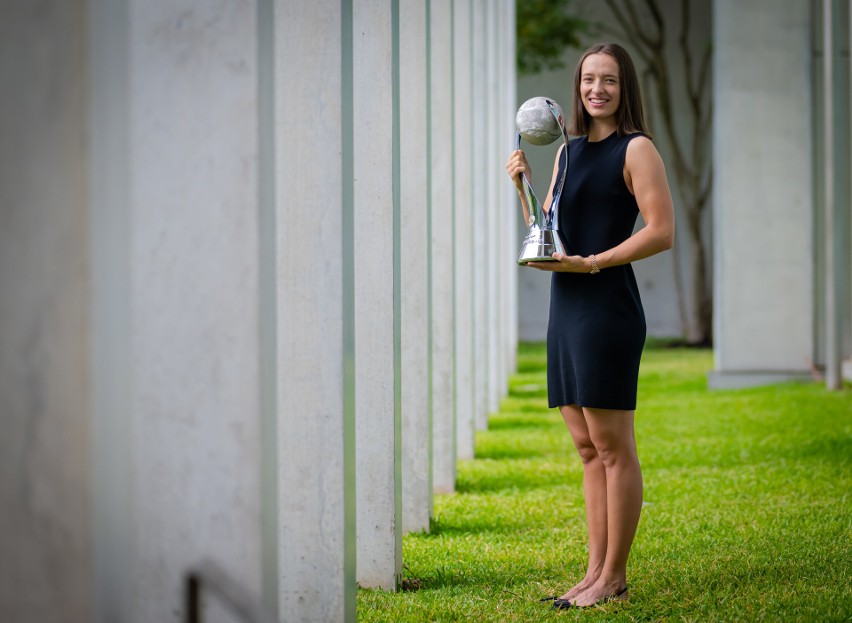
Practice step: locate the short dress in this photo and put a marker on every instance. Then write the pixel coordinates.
(596, 330)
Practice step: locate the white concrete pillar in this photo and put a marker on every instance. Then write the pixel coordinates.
(846, 309)
(45, 482)
(511, 246)
(835, 234)
(377, 453)
(494, 248)
(316, 331)
(414, 277)
(480, 215)
(442, 215)
(194, 275)
(465, 260)
(502, 266)
(762, 192)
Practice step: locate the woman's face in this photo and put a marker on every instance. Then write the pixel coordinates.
(600, 86)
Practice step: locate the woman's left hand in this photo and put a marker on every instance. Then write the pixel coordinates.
(564, 264)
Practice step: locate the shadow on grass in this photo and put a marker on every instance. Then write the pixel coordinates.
(499, 454)
(441, 577)
(524, 422)
(524, 480)
(830, 449)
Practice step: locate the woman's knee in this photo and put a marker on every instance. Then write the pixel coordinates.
(586, 449)
(576, 422)
(611, 433)
(613, 449)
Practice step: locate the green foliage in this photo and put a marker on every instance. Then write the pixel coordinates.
(545, 29)
(746, 517)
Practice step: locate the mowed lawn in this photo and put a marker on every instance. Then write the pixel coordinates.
(747, 515)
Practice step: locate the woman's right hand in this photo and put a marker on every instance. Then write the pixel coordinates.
(516, 167)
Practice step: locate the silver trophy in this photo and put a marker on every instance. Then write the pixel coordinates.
(540, 122)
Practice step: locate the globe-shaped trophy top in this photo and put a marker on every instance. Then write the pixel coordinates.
(536, 123)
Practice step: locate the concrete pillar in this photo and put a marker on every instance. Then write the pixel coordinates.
(830, 47)
(762, 192)
(512, 239)
(465, 260)
(442, 211)
(846, 308)
(493, 217)
(194, 273)
(45, 484)
(315, 324)
(480, 215)
(414, 267)
(377, 454)
(833, 144)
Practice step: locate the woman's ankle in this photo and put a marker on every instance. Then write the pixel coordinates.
(612, 581)
(594, 572)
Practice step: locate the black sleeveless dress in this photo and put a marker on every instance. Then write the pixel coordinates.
(596, 329)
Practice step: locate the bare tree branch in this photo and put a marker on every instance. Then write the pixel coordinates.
(706, 186)
(704, 71)
(657, 15)
(683, 40)
(621, 35)
(629, 24)
(636, 24)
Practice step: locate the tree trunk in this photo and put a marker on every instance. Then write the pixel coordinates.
(700, 327)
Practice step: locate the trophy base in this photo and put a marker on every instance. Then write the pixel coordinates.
(539, 246)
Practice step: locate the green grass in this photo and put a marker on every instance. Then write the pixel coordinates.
(747, 516)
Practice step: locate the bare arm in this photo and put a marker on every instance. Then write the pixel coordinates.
(645, 176)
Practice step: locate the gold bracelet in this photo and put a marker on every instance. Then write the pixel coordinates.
(595, 269)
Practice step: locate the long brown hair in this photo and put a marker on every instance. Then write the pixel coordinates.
(628, 117)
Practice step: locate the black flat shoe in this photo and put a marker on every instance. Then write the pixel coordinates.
(562, 604)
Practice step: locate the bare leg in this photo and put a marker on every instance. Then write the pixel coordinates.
(594, 491)
(612, 435)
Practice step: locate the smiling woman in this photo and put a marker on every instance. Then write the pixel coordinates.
(596, 329)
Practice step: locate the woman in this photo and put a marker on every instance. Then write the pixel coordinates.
(597, 325)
